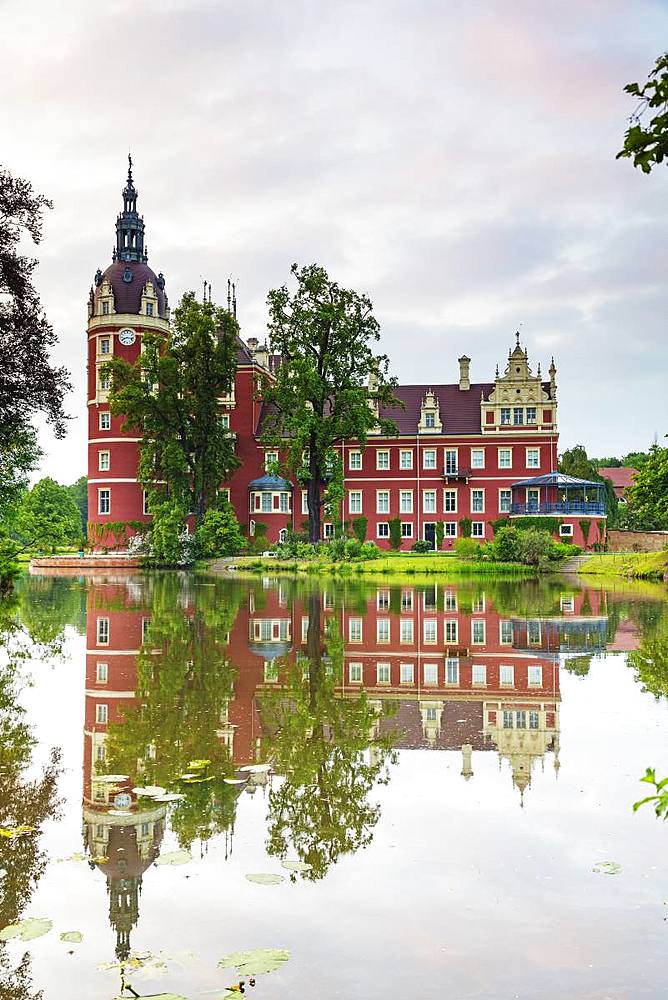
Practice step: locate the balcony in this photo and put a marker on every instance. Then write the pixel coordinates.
(457, 474)
(559, 507)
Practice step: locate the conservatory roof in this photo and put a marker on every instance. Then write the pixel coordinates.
(270, 483)
(558, 479)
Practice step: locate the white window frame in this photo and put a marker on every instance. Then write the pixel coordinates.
(381, 669)
(535, 675)
(565, 530)
(480, 510)
(450, 451)
(451, 626)
(431, 462)
(452, 670)
(383, 631)
(304, 501)
(479, 675)
(407, 673)
(382, 600)
(508, 500)
(327, 530)
(355, 630)
(449, 529)
(101, 714)
(430, 679)
(101, 673)
(104, 460)
(477, 529)
(270, 457)
(382, 501)
(102, 342)
(356, 494)
(383, 529)
(380, 462)
(477, 458)
(406, 529)
(406, 458)
(355, 673)
(355, 460)
(104, 492)
(509, 453)
(406, 630)
(406, 601)
(478, 625)
(448, 496)
(405, 501)
(430, 631)
(104, 420)
(534, 464)
(505, 626)
(507, 670)
(431, 508)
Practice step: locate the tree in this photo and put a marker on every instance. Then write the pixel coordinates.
(575, 462)
(648, 145)
(29, 383)
(18, 458)
(330, 385)
(48, 516)
(219, 533)
(648, 497)
(173, 394)
(79, 493)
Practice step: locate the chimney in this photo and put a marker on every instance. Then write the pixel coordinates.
(464, 380)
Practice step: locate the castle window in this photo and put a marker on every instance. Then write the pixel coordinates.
(104, 501)
(101, 714)
(406, 529)
(382, 673)
(477, 501)
(104, 381)
(506, 633)
(406, 501)
(535, 676)
(355, 629)
(251, 528)
(101, 673)
(225, 421)
(477, 458)
(478, 632)
(105, 308)
(451, 630)
(355, 460)
(452, 670)
(507, 676)
(430, 673)
(149, 308)
(450, 462)
(406, 630)
(531, 414)
(383, 630)
(265, 503)
(533, 458)
(103, 461)
(304, 502)
(429, 501)
(430, 631)
(505, 458)
(382, 501)
(105, 345)
(505, 414)
(478, 529)
(533, 720)
(102, 631)
(284, 503)
(429, 420)
(479, 673)
(406, 673)
(355, 502)
(327, 530)
(105, 420)
(518, 415)
(382, 459)
(270, 459)
(406, 600)
(355, 673)
(450, 501)
(450, 529)
(405, 459)
(505, 500)
(429, 459)
(382, 529)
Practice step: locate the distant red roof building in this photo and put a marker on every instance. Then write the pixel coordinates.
(621, 478)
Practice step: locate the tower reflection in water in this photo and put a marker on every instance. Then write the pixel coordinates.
(320, 683)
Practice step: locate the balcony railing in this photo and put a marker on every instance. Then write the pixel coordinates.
(457, 473)
(560, 507)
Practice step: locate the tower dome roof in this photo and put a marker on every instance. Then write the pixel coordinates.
(128, 279)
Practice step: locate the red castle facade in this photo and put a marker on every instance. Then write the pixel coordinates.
(470, 450)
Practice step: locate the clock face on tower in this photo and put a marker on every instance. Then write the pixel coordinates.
(127, 337)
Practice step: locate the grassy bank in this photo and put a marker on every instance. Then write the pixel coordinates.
(637, 565)
(390, 565)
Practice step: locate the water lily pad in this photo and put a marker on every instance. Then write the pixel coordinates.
(197, 764)
(607, 868)
(255, 963)
(296, 866)
(26, 930)
(169, 797)
(256, 768)
(265, 878)
(141, 965)
(73, 937)
(15, 831)
(235, 781)
(174, 858)
(150, 790)
(184, 777)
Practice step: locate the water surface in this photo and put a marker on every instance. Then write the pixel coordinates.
(453, 763)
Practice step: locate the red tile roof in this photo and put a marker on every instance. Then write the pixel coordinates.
(620, 477)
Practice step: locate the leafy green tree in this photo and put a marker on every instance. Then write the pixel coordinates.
(648, 497)
(219, 533)
(173, 394)
(649, 661)
(575, 462)
(330, 386)
(48, 517)
(29, 383)
(647, 144)
(535, 547)
(326, 748)
(395, 532)
(79, 493)
(18, 458)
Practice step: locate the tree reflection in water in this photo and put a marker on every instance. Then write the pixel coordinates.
(328, 749)
(23, 803)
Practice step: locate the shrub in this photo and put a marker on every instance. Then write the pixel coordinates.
(359, 525)
(336, 549)
(422, 545)
(369, 550)
(440, 532)
(585, 526)
(219, 534)
(395, 532)
(535, 547)
(9, 567)
(465, 525)
(352, 548)
(507, 545)
(564, 550)
(467, 548)
(501, 522)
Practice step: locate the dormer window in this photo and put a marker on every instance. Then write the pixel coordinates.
(149, 308)
(430, 419)
(105, 308)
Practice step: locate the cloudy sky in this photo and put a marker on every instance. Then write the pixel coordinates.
(455, 160)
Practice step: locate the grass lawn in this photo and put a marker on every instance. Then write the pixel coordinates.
(640, 565)
(389, 564)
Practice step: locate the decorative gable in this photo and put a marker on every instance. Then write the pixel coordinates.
(520, 399)
(430, 417)
(105, 299)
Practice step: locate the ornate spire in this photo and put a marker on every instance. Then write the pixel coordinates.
(130, 225)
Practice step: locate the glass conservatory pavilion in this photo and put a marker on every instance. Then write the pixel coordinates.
(557, 493)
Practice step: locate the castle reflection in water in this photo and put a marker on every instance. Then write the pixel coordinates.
(442, 667)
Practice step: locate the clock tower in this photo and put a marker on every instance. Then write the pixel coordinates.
(127, 300)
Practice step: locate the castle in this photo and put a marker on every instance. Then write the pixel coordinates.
(470, 451)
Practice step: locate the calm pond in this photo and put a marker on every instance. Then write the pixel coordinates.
(415, 791)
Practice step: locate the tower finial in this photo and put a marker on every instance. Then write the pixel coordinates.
(129, 167)
(517, 335)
